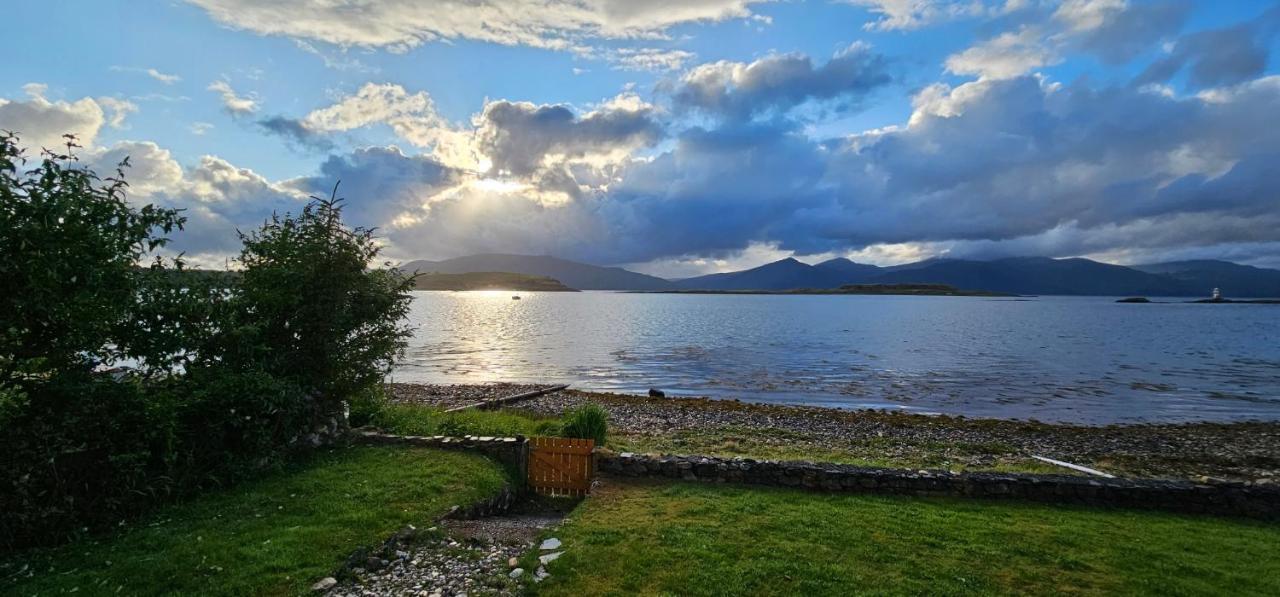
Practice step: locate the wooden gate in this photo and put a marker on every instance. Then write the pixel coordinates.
(561, 466)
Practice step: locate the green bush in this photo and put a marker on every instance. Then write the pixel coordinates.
(367, 405)
(122, 384)
(321, 317)
(589, 421)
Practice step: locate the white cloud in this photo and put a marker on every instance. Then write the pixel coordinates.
(914, 14)
(233, 102)
(117, 110)
(1088, 15)
(403, 24)
(165, 78)
(41, 123)
(648, 59)
(411, 115)
(1113, 30)
(1007, 55)
(200, 128)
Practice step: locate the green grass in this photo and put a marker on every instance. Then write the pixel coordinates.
(696, 539)
(774, 444)
(408, 419)
(779, 444)
(273, 536)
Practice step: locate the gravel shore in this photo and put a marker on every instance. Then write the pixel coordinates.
(449, 396)
(1234, 451)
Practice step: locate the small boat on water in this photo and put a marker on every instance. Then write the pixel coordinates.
(515, 297)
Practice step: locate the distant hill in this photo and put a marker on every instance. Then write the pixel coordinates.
(1015, 275)
(488, 281)
(877, 289)
(848, 270)
(571, 273)
(1206, 274)
(1041, 275)
(786, 274)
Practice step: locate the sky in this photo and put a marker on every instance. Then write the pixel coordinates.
(679, 137)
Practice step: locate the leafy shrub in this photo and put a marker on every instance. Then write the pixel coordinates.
(222, 371)
(589, 421)
(367, 405)
(322, 318)
(71, 245)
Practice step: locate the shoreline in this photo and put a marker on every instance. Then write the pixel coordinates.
(1242, 451)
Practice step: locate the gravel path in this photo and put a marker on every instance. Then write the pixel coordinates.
(467, 557)
(439, 568)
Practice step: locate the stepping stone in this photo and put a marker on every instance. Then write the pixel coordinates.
(550, 544)
(551, 557)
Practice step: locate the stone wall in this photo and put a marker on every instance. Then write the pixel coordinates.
(1238, 499)
(512, 452)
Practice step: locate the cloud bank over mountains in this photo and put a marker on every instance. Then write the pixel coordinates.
(720, 160)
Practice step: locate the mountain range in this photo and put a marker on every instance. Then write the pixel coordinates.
(1017, 275)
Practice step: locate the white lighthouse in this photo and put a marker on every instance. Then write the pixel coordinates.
(1217, 294)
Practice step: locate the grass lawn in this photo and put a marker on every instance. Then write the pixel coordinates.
(273, 536)
(698, 539)
(411, 419)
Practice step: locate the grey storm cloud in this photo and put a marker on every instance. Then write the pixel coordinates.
(377, 182)
(1021, 158)
(294, 132)
(1015, 166)
(1128, 32)
(517, 136)
(1021, 165)
(779, 83)
(1216, 57)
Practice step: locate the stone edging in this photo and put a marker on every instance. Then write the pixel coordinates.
(1236, 499)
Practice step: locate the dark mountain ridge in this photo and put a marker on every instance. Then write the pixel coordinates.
(582, 276)
(1016, 275)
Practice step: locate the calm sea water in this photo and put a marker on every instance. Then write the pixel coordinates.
(1077, 359)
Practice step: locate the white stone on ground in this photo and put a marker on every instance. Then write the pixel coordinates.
(550, 544)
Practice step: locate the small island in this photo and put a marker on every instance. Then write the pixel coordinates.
(488, 281)
(871, 289)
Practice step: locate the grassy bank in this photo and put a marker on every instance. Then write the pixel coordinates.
(410, 419)
(780, 444)
(274, 536)
(694, 539)
(747, 442)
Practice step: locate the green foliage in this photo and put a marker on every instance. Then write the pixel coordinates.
(71, 244)
(589, 421)
(322, 318)
(214, 373)
(367, 405)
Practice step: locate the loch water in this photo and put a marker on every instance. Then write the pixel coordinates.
(1067, 359)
